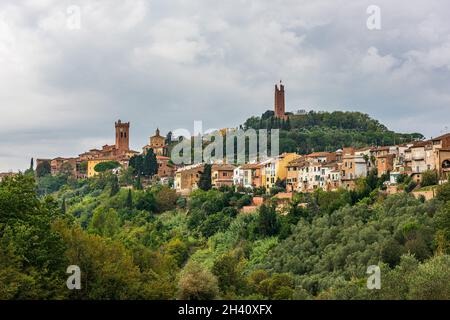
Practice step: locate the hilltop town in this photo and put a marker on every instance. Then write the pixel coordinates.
(288, 172)
(298, 225)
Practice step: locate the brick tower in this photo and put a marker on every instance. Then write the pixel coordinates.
(279, 102)
(122, 136)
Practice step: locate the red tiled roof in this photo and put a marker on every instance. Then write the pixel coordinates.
(318, 154)
(447, 135)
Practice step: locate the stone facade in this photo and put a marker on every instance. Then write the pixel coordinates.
(158, 144)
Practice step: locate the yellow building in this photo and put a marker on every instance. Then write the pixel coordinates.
(91, 165)
(276, 169)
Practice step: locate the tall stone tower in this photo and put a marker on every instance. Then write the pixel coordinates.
(279, 102)
(122, 136)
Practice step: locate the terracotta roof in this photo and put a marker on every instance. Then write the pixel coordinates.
(223, 167)
(330, 164)
(382, 149)
(162, 157)
(283, 195)
(418, 144)
(318, 154)
(296, 162)
(250, 166)
(365, 149)
(447, 135)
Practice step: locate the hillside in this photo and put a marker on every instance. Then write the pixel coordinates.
(328, 131)
(162, 246)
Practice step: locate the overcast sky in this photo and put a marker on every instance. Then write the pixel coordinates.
(167, 63)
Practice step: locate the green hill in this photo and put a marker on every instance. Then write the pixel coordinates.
(328, 131)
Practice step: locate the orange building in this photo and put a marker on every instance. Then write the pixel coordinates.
(292, 177)
(165, 167)
(222, 175)
(385, 164)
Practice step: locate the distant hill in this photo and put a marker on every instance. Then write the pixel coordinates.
(328, 131)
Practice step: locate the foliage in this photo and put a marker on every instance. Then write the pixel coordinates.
(328, 131)
(106, 166)
(197, 283)
(204, 182)
(43, 168)
(151, 244)
(145, 165)
(31, 254)
(429, 178)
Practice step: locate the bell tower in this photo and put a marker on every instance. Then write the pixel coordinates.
(122, 135)
(279, 108)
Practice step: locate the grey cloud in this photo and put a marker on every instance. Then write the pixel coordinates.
(168, 63)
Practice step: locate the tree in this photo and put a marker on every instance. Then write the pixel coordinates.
(197, 283)
(169, 138)
(204, 182)
(30, 170)
(267, 221)
(146, 201)
(63, 206)
(136, 162)
(443, 192)
(431, 280)
(429, 178)
(83, 167)
(443, 234)
(108, 270)
(66, 169)
(115, 188)
(150, 164)
(227, 271)
(166, 199)
(138, 183)
(106, 166)
(411, 186)
(178, 250)
(37, 266)
(129, 203)
(104, 222)
(126, 176)
(43, 169)
(48, 184)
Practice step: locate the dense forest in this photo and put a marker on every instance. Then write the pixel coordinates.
(152, 244)
(328, 131)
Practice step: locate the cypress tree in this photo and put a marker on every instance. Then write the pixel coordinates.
(138, 184)
(63, 206)
(150, 164)
(204, 182)
(129, 203)
(115, 188)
